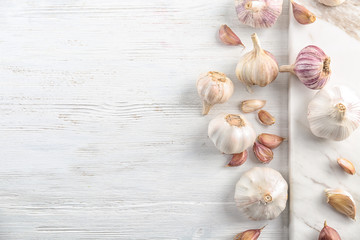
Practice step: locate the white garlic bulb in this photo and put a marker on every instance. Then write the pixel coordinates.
(261, 193)
(334, 113)
(258, 67)
(258, 13)
(331, 3)
(231, 133)
(214, 87)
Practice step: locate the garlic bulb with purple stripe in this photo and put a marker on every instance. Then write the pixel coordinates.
(312, 67)
(334, 113)
(258, 13)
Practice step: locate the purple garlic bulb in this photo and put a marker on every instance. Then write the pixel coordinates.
(312, 67)
(258, 13)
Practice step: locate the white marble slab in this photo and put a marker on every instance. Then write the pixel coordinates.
(313, 165)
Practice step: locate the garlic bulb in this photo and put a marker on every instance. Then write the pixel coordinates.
(231, 133)
(334, 113)
(258, 67)
(312, 67)
(258, 13)
(331, 3)
(214, 87)
(261, 193)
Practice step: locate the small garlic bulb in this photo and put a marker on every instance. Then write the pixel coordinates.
(331, 3)
(261, 193)
(258, 67)
(258, 13)
(214, 87)
(334, 113)
(231, 133)
(312, 67)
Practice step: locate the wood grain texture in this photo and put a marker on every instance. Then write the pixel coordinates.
(102, 136)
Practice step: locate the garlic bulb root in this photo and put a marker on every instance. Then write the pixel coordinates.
(258, 67)
(261, 193)
(312, 67)
(258, 13)
(334, 113)
(231, 133)
(214, 88)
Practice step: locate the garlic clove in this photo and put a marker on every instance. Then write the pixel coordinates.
(312, 67)
(258, 13)
(331, 3)
(261, 193)
(231, 133)
(334, 113)
(251, 234)
(341, 201)
(346, 165)
(328, 233)
(270, 140)
(258, 67)
(266, 118)
(214, 88)
(238, 159)
(302, 14)
(228, 37)
(252, 105)
(263, 153)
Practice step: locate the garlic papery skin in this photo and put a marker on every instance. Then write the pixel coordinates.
(312, 67)
(213, 88)
(258, 13)
(334, 113)
(231, 133)
(261, 193)
(332, 3)
(258, 67)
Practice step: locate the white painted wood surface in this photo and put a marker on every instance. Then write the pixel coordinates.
(102, 136)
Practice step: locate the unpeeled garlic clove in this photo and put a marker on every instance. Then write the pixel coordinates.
(252, 105)
(302, 14)
(346, 165)
(228, 37)
(266, 118)
(263, 153)
(328, 233)
(251, 234)
(270, 140)
(342, 201)
(238, 159)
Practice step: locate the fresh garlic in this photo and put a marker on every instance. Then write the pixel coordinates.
(228, 37)
(342, 201)
(258, 13)
(346, 165)
(302, 14)
(331, 3)
(213, 88)
(263, 153)
(270, 140)
(266, 118)
(334, 113)
(261, 193)
(238, 159)
(231, 133)
(312, 67)
(258, 67)
(252, 105)
(251, 234)
(328, 233)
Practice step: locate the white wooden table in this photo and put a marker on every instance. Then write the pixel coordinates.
(101, 132)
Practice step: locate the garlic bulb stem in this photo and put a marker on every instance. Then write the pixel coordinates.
(340, 111)
(287, 68)
(255, 5)
(267, 198)
(256, 42)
